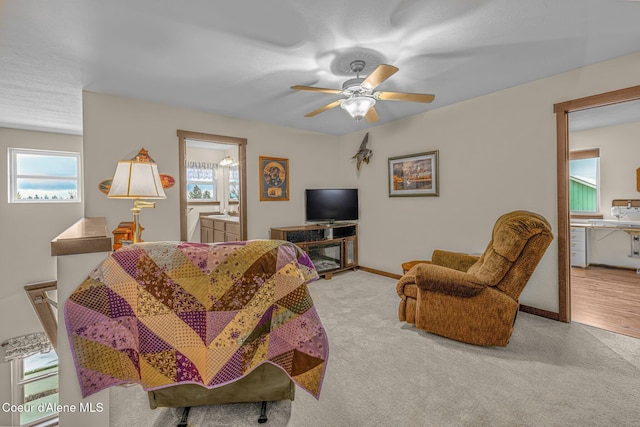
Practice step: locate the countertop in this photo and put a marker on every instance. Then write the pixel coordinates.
(85, 236)
(629, 226)
(231, 218)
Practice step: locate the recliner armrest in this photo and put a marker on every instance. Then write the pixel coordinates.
(456, 260)
(446, 280)
(406, 266)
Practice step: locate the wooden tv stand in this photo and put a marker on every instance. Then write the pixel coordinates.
(331, 247)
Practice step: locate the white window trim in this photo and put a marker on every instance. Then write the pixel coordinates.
(200, 182)
(593, 153)
(13, 177)
(17, 396)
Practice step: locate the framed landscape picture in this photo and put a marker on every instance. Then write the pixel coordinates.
(274, 178)
(414, 175)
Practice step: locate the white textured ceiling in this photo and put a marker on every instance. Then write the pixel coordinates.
(610, 115)
(239, 58)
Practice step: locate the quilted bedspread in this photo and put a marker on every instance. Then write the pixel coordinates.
(167, 313)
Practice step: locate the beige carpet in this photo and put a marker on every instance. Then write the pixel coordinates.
(385, 373)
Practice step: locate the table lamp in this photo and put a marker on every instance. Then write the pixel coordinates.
(137, 179)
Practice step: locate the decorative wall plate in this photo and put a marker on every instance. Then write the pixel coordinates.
(167, 180)
(105, 185)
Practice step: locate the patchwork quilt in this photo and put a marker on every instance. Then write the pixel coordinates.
(167, 313)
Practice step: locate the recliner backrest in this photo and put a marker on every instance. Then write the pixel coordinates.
(518, 242)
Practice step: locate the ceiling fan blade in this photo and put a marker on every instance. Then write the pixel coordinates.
(380, 74)
(401, 96)
(316, 89)
(325, 108)
(372, 115)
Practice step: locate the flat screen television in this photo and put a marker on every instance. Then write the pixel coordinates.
(331, 204)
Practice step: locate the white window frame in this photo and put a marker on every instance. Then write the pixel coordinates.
(213, 183)
(17, 394)
(592, 153)
(13, 175)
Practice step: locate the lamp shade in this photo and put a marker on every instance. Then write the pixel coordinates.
(137, 178)
(227, 161)
(358, 106)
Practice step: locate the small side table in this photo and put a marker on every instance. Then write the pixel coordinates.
(123, 232)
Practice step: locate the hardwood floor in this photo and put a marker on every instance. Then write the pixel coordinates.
(607, 298)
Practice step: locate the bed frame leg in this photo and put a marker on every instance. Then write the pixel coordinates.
(263, 413)
(185, 415)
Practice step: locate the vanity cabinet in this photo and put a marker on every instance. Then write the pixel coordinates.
(231, 231)
(206, 230)
(218, 230)
(578, 246)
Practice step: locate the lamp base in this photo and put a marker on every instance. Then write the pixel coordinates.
(137, 232)
(137, 228)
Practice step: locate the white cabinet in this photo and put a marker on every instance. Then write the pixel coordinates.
(578, 247)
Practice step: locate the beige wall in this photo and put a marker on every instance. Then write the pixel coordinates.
(27, 230)
(619, 158)
(115, 127)
(497, 153)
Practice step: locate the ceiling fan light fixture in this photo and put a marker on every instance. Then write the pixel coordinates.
(357, 106)
(359, 96)
(227, 161)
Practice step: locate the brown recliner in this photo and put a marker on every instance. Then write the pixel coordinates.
(475, 299)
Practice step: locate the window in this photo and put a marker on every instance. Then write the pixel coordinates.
(201, 181)
(39, 176)
(584, 181)
(234, 183)
(35, 388)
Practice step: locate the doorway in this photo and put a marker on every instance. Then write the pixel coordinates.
(212, 180)
(562, 111)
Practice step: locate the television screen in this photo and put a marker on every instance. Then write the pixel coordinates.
(335, 204)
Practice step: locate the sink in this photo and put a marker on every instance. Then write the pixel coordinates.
(225, 217)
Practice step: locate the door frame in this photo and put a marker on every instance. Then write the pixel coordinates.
(562, 111)
(183, 135)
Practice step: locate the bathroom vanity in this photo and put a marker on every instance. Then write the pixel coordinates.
(219, 228)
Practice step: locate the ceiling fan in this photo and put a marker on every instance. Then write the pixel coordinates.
(360, 96)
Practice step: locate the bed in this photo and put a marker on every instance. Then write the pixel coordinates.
(198, 324)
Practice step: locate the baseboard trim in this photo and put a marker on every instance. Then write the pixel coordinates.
(614, 267)
(524, 308)
(540, 312)
(380, 272)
